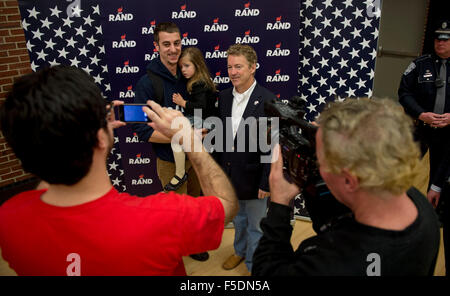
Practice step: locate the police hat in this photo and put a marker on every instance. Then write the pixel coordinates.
(443, 31)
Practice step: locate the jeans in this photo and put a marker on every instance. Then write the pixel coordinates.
(247, 229)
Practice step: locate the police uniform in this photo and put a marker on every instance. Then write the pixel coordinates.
(417, 94)
(418, 91)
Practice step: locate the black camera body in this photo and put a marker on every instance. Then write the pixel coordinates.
(297, 140)
(298, 146)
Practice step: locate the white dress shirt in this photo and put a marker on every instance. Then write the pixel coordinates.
(239, 104)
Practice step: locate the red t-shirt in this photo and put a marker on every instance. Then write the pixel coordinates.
(116, 234)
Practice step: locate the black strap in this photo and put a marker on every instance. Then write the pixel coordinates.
(158, 87)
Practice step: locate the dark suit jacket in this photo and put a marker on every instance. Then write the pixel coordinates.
(245, 170)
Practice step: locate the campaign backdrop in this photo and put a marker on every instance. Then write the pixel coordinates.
(270, 27)
(319, 50)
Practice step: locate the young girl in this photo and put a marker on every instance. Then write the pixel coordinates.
(202, 95)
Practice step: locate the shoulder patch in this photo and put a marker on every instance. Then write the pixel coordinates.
(411, 67)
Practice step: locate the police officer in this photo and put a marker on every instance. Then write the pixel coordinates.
(424, 93)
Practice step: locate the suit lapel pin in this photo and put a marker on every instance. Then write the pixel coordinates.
(256, 103)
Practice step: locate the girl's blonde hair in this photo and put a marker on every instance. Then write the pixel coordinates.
(202, 73)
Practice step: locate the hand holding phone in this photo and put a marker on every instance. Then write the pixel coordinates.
(132, 113)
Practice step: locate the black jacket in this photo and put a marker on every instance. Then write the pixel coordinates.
(245, 169)
(349, 248)
(203, 98)
(417, 91)
(146, 91)
(417, 94)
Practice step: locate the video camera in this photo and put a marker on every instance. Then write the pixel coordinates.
(298, 147)
(297, 140)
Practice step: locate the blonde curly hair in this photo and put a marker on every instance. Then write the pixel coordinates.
(373, 139)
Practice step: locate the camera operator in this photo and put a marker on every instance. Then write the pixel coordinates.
(367, 159)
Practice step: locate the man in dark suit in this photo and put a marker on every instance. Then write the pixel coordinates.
(242, 158)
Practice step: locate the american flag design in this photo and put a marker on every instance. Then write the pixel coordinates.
(338, 49)
(64, 33)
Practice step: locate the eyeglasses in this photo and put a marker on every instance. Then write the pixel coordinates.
(109, 111)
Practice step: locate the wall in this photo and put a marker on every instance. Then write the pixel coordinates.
(14, 62)
(401, 36)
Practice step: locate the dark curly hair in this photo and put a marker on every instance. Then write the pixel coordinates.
(50, 119)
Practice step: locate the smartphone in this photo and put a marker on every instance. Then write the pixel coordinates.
(132, 113)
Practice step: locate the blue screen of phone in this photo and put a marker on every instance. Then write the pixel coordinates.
(134, 113)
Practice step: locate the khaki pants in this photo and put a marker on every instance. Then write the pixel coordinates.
(166, 171)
